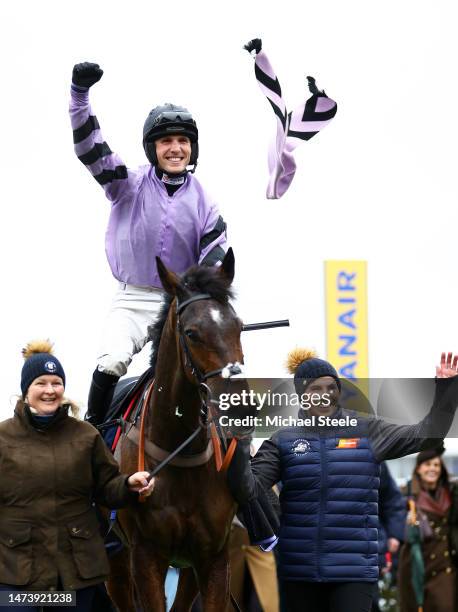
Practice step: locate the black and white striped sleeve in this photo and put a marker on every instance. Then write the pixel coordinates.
(213, 242)
(106, 167)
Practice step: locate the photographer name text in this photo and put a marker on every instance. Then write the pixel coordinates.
(288, 421)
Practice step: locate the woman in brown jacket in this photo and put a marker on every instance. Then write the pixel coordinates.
(434, 503)
(53, 468)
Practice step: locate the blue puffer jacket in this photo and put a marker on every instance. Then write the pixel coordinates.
(329, 508)
(330, 479)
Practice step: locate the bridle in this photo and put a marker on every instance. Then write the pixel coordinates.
(229, 369)
(206, 397)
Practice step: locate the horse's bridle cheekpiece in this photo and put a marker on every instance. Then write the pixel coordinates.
(231, 369)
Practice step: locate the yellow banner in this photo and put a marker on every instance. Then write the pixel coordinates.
(346, 318)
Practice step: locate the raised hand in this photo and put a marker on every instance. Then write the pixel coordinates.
(86, 74)
(448, 366)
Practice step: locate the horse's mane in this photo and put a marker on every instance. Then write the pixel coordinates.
(198, 279)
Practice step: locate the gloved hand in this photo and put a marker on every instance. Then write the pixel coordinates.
(86, 74)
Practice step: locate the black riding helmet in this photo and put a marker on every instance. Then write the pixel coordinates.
(169, 119)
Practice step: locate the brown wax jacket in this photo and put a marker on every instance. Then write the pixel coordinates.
(49, 479)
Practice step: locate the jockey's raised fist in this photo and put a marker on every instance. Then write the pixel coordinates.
(86, 74)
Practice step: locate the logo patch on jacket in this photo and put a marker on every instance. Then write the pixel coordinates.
(300, 446)
(348, 443)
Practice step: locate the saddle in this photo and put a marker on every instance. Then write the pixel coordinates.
(128, 403)
(128, 392)
(258, 515)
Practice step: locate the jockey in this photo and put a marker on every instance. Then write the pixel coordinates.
(159, 209)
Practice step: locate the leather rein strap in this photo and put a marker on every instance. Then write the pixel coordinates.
(159, 454)
(164, 457)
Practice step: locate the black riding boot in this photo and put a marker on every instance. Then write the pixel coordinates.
(100, 396)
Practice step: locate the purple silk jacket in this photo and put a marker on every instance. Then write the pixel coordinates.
(183, 229)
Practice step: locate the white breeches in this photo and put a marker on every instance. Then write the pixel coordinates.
(125, 331)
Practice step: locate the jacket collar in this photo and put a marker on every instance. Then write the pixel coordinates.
(25, 416)
(160, 183)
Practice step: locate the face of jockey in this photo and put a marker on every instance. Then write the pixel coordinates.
(429, 472)
(325, 387)
(45, 394)
(173, 153)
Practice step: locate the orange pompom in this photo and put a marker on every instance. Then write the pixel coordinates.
(37, 346)
(297, 356)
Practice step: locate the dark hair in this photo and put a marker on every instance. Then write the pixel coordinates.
(428, 456)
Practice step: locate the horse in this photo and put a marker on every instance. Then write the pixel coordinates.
(186, 521)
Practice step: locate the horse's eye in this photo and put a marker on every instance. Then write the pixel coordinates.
(191, 334)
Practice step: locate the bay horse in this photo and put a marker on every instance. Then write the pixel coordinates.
(186, 521)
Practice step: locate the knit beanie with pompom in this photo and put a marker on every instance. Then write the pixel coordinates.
(306, 367)
(39, 361)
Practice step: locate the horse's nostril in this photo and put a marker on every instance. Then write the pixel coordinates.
(235, 369)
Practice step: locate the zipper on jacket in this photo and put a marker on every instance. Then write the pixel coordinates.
(323, 488)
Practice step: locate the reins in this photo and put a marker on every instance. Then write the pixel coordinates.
(216, 433)
(206, 422)
(221, 464)
(142, 397)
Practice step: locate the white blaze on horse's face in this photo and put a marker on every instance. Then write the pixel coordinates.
(216, 316)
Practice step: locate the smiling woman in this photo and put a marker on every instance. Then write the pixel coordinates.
(53, 469)
(434, 514)
(45, 394)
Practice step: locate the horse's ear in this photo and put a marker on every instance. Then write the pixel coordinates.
(170, 281)
(227, 268)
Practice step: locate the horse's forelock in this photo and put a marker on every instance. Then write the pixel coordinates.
(198, 279)
(205, 279)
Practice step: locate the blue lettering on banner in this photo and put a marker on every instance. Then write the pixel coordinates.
(344, 281)
(348, 370)
(346, 318)
(347, 282)
(348, 341)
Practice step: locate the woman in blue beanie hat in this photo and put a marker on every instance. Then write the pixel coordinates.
(54, 467)
(330, 476)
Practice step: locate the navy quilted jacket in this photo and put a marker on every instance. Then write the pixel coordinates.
(330, 481)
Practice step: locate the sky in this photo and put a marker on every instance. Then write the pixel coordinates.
(378, 184)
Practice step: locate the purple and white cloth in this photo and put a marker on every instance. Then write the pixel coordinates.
(292, 127)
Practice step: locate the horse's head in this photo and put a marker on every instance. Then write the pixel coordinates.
(206, 326)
